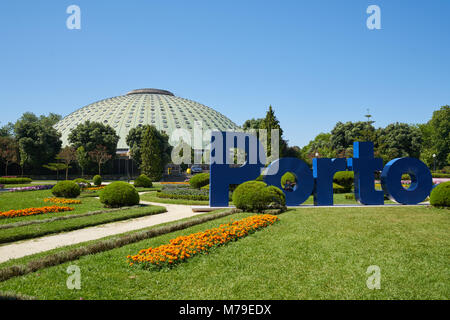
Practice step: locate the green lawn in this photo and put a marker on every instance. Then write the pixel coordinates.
(35, 199)
(311, 253)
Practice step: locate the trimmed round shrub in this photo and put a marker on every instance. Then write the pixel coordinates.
(66, 189)
(119, 194)
(143, 182)
(97, 180)
(440, 195)
(344, 179)
(205, 187)
(199, 180)
(253, 196)
(288, 176)
(82, 182)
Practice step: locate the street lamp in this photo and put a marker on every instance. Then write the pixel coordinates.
(434, 157)
(317, 154)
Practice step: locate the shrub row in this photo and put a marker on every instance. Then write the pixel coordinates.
(441, 175)
(199, 180)
(182, 196)
(15, 180)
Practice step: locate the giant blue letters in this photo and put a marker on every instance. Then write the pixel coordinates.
(318, 182)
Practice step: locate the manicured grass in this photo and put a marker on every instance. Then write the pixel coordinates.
(35, 199)
(38, 230)
(312, 253)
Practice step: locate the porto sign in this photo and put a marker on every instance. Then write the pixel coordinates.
(318, 181)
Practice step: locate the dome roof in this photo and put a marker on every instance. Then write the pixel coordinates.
(156, 107)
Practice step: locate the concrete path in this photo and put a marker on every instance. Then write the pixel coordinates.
(27, 247)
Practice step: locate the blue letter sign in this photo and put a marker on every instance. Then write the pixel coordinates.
(319, 181)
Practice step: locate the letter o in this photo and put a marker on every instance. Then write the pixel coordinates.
(421, 180)
(305, 183)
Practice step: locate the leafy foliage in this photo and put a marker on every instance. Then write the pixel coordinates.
(254, 196)
(119, 194)
(344, 179)
(97, 180)
(440, 195)
(66, 189)
(199, 180)
(135, 139)
(143, 182)
(155, 152)
(38, 141)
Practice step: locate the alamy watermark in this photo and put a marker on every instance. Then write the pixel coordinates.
(74, 280)
(73, 22)
(374, 279)
(374, 20)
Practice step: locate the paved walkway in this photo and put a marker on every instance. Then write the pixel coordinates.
(27, 247)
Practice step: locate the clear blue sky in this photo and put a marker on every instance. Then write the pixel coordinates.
(314, 61)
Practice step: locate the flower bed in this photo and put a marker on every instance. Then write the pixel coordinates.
(62, 201)
(184, 247)
(33, 211)
(33, 188)
(93, 188)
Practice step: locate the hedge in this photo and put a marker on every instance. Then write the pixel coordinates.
(199, 180)
(441, 175)
(182, 196)
(15, 180)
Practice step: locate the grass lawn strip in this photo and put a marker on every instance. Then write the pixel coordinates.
(48, 260)
(92, 213)
(320, 253)
(64, 225)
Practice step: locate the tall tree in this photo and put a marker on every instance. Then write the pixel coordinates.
(67, 155)
(82, 158)
(134, 140)
(93, 134)
(37, 139)
(154, 151)
(100, 156)
(344, 134)
(440, 135)
(400, 140)
(9, 151)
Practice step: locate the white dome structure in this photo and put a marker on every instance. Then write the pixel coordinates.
(159, 108)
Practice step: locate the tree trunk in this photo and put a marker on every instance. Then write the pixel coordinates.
(67, 173)
(6, 169)
(99, 168)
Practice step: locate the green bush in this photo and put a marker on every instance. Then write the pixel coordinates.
(97, 180)
(143, 182)
(66, 189)
(344, 179)
(257, 196)
(119, 194)
(15, 180)
(288, 176)
(84, 182)
(205, 187)
(440, 195)
(199, 180)
(339, 189)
